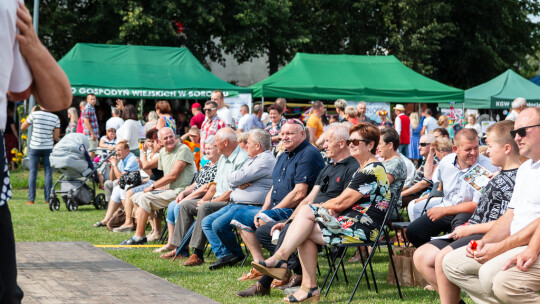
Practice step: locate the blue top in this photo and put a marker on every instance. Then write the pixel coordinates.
(251, 121)
(128, 164)
(302, 165)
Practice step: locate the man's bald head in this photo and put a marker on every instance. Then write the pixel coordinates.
(465, 135)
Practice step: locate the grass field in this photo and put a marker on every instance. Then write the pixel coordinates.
(35, 223)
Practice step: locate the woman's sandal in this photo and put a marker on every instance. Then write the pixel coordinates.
(162, 249)
(276, 272)
(99, 224)
(310, 297)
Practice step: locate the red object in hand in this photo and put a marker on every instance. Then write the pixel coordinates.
(473, 245)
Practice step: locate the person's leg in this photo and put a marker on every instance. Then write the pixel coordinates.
(448, 291)
(422, 229)
(307, 252)
(212, 235)
(128, 208)
(9, 291)
(184, 220)
(516, 286)
(171, 220)
(198, 239)
(114, 204)
(239, 217)
(33, 163)
(491, 268)
(463, 271)
(109, 185)
(48, 173)
(303, 227)
(252, 244)
(424, 260)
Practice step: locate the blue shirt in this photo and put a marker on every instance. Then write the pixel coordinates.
(128, 164)
(301, 165)
(252, 121)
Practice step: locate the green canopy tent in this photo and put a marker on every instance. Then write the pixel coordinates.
(499, 92)
(353, 77)
(142, 72)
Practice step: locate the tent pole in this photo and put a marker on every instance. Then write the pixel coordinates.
(262, 102)
(141, 109)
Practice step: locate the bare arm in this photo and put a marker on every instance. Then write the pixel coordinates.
(429, 166)
(421, 185)
(178, 167)
(56, 134)
(160, 123)
(501, 227)
(423, 131)
(147, 165)
(346, 199)
(14, 130)
(294, 197)
(225, 197)
(25, 126)
(51, 86)
(308, 200)
(312, 135)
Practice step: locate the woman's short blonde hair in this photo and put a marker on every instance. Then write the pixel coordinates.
(351, 111)
(442, 144)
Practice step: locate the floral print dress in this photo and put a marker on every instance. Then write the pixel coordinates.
(361, 221)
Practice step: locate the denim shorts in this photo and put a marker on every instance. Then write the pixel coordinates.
(275, 215)
(244, 216)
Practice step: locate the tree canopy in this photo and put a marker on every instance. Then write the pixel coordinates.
(457, 42)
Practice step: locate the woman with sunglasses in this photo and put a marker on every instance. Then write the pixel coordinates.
(354, 216)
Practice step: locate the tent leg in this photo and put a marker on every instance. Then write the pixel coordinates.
(262, 101)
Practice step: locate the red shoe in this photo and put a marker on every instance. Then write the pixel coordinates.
(29, 203)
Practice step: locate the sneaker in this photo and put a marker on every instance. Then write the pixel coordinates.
(132, 241)
(254, 290)
(123, 229)
(253, 274)
(29, 203)
(193, 260)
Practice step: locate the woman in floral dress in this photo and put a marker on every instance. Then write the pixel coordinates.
(275, 124)
(353, 217)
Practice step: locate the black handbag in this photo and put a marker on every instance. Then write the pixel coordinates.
(129, 180)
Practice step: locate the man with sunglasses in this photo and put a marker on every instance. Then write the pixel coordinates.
(514, 237)
(212, 123)
(331, 181)
(459, 199)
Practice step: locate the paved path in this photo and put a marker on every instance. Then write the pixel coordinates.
(77, 272)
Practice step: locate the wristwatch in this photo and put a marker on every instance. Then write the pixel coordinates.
(152, 187)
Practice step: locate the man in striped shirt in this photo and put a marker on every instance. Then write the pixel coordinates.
(45, 131)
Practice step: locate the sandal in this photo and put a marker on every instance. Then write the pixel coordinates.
(162, 249)
(99, 224)
(310, 297)
(276, 271)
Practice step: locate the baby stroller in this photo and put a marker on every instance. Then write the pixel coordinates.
(77, 183)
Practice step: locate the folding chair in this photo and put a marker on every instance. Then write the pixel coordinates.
(435, 192)
(383, 232)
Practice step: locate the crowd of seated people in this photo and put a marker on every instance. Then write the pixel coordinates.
(337, 188)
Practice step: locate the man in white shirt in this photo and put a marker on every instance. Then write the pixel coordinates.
(478, 270)
(115, 122)
(223, 111)
(27, 67)
(244, 110)
(519, 104)
(430, 123)
(460, 199)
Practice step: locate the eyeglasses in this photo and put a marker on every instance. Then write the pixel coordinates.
(208, 110)
(356, 142)
(522, 132)
(423, 144)
(324, 184)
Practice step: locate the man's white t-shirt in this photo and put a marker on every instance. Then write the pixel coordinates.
(242, 122)
(114, 122)
(525, 199)
(430, 123)
(15, 75)
(225, 115)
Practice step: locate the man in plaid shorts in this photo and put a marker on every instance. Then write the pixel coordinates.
(91, 129)
(211, 124)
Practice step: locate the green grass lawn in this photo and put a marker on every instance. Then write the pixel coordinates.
(35, 223)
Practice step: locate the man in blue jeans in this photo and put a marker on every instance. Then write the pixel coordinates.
(45, 132)
(249, 185)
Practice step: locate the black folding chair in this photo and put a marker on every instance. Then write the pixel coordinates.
(383, 232)
(435, 192)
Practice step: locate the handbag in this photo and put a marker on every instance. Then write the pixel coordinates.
(407, 273)
(129, 180)
(117, 219)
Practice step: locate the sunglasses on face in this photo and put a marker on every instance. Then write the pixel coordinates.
(356, 142)
(208, 110)
(423, 144)
(522, 132)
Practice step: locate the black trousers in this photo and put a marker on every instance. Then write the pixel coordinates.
(422, 229)
(263, 236)
(9, 291)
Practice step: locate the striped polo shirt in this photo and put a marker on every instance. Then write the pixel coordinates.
(43, 124)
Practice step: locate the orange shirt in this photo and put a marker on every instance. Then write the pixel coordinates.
(315, 122)
(196, 149)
